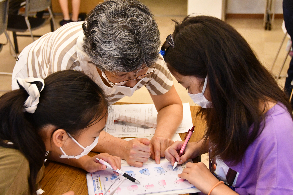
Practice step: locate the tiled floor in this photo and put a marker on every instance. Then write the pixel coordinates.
(264, 43)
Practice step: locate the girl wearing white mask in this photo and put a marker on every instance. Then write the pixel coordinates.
(64, 113)
(249, 118)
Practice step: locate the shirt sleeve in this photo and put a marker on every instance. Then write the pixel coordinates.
(161, 81)
(275, 175)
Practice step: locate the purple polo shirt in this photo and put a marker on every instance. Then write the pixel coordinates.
(267, 166)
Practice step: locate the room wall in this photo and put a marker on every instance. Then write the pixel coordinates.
(232, 6)
(251, 6)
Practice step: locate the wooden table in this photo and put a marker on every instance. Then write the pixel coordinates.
(59, 178)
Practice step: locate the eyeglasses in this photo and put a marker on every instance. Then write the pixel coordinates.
(124, 76)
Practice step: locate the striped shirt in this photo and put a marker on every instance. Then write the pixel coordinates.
(62, 50)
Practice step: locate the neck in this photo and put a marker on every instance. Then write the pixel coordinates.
(267, 105)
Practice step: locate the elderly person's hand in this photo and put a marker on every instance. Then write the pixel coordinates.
(138, 151)
(158, 147)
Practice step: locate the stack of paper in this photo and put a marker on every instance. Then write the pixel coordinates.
(141, 113)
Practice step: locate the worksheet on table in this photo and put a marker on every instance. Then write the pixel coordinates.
(154, 179)
(145, 113)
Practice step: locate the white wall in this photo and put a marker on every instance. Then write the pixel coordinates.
(251, 6)
(215, 7)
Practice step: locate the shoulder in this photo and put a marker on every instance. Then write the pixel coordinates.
(268, 159)
(161, 68)
(161, 80)
(278, 121)
(14, 171)
(274, 139)
(274, 145)
(68, 30)
(58, 37)
(12, 158)
(54, 51)
(278, 132)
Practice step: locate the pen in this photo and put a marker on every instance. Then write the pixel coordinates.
(189, 133)
(118, 171)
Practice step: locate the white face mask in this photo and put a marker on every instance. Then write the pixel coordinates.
(199, 98)
(85, 151)
(128, 91)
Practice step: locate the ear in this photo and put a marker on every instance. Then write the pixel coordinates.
(59, 137)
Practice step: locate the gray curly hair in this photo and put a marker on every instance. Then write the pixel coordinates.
(121, 36)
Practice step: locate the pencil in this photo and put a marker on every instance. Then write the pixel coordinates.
(118, 171)
(189, 133)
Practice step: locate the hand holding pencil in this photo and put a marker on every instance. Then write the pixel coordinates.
(177, 153)
(118, 171)
(114, 161)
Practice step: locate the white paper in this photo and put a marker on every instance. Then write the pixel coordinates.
(141, 112)
(154, 178)
(176, 137)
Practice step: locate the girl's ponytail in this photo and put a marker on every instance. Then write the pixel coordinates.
(16, 127)
(70, 100)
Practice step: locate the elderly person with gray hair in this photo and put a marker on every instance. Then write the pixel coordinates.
(118, 47)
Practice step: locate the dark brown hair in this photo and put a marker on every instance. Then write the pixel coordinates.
(238, 82)
(70, 100)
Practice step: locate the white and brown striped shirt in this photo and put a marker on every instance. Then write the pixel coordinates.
(62, 50)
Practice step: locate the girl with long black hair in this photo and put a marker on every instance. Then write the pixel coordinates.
(64, 113)
(249, 118)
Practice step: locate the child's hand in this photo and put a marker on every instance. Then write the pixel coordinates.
(200, 176)
(114, 161)
(91, 164)
(172, 152)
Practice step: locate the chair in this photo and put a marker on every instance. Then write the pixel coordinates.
(278, 76)
(28, 21)
(269, 14)
(3, 23)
